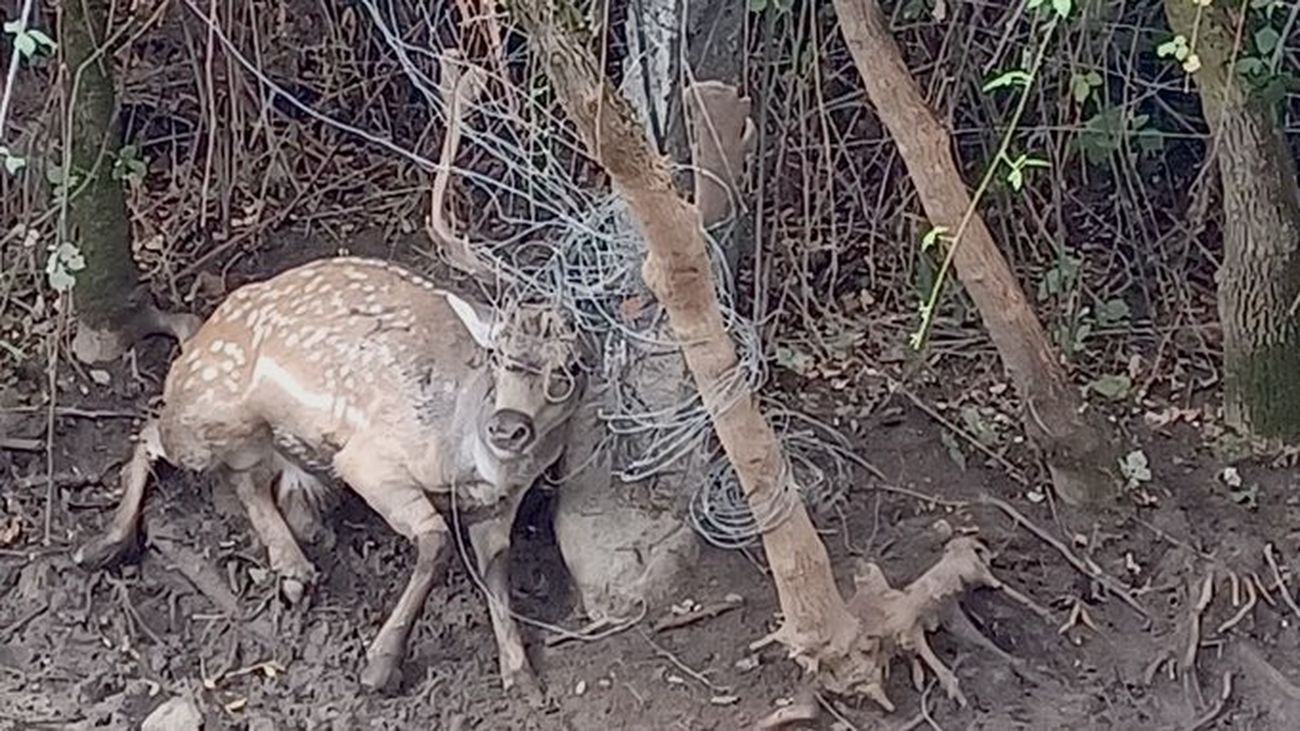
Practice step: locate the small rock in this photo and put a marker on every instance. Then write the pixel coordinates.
(581, 688)
(100, 377)
(175, 714)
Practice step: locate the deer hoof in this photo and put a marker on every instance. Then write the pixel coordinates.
(293, 589)
(382, 674)
(103, 550)
(523, 684)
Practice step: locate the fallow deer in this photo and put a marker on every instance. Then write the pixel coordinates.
(417, 399)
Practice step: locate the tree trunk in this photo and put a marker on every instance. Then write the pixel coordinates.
(97, 214)
(112, 308)
(818, 629)
(1259, 281)
(1078, 449)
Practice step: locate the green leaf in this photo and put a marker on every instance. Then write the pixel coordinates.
(1010, 78)
(1113, 387)
(39, 36)
(1135, 467)
(1112, 312)
(1062, 7)
(1251, 66)
(71, 256)
(25, 44)
(757, 6)
(1266, 39)
(14, 27)
(1081, 85)
(60, 280)
(1016, 179)
(13, 163)
(932, 237)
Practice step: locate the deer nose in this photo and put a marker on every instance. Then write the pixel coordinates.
(510, 430)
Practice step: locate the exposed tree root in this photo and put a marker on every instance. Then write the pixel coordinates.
(894, 621)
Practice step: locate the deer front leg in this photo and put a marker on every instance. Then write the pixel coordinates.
(407, 510)
(383, 669)
(491, 541)
(295, 571)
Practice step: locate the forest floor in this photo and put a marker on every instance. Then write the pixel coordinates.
(103, 650)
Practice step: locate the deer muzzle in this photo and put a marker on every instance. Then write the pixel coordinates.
(510, 431)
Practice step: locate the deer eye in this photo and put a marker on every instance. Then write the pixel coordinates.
(560, 385)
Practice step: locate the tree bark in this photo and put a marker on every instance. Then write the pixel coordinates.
(97, 215)
(1259, 280)
(1079, 451)
(819, 630)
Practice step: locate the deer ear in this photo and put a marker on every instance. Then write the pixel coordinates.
(477, 320)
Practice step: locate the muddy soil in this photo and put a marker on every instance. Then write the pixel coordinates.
(195, 615)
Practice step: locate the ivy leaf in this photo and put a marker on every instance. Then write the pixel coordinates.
(1062, 7)
(1266, 39)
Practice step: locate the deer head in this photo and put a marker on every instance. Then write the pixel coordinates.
(535, 376)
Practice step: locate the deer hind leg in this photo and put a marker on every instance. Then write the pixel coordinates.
(405, 507)
(253, 485)
(109, 546)
(490, 538)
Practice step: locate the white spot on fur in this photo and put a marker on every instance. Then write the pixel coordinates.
(209, 373)
(216, 346)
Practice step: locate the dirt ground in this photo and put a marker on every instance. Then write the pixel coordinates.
(103, 650)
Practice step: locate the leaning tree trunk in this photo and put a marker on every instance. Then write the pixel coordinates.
(819, 630)
(113, 310)
(1078, 450)
(1259, 280)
